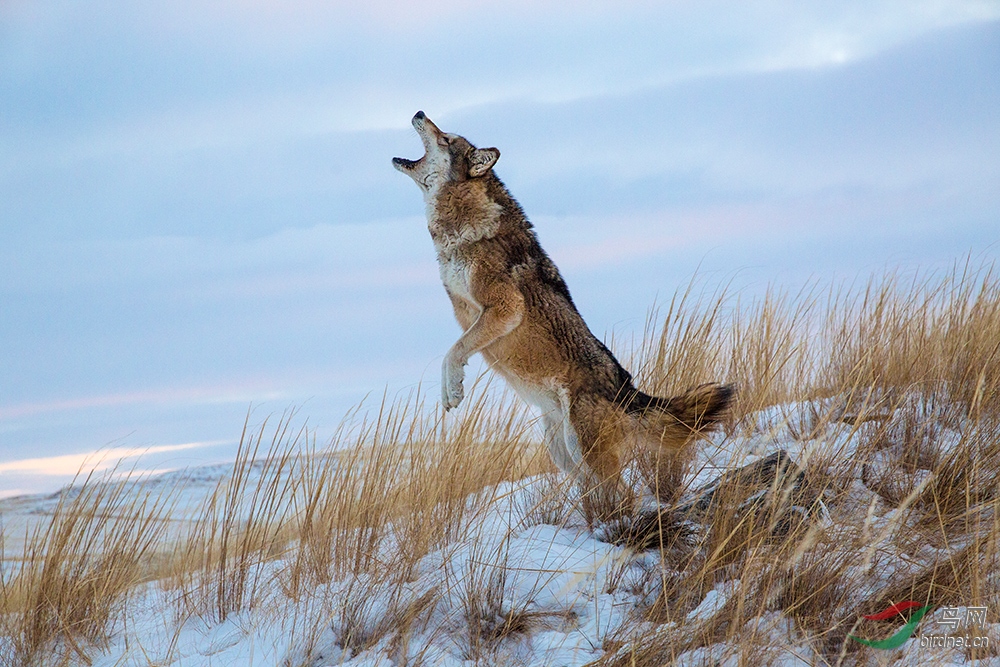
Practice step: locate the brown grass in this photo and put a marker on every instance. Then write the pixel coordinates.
(908, 371)
(412, 471)
(76, 572)
(903, 370)
(491, 612)
(218, 565)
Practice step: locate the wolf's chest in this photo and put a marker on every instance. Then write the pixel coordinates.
(455, 274)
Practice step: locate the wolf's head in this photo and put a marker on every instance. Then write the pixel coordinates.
(447, 158)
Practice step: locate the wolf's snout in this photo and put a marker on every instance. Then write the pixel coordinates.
(425, 127)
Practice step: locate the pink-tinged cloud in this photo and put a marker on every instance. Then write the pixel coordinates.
(102, 459)
(197, 395)
(584, 243)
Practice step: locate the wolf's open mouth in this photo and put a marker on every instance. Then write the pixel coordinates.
(404, 163)
(423, 125)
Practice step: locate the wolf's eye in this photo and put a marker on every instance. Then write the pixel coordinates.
(443, 142)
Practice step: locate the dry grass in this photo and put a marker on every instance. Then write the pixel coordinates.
(72, 581)
(907, 371)
(411, 471)
(491, 610)
(218, 566)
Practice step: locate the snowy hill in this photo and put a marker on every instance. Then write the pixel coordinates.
(527, 582)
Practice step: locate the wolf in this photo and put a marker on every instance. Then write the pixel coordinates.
(516, 311)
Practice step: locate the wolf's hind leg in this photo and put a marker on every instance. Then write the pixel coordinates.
(571, 439)
(598, 429)
(662, 468)
(555, 441)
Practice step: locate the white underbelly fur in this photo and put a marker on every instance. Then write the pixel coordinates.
(560, 436)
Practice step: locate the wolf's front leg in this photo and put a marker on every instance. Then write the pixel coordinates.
(452, 377)
(501, 308)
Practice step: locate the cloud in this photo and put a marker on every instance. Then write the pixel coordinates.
(198, 201)
(183, 76)
(911, 116)
(183, 395)
(97, 460)
(293, 259)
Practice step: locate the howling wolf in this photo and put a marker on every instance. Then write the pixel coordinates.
(515, 310)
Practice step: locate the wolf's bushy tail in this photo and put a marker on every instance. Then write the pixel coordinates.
(677, 419)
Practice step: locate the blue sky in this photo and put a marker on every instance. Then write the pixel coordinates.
(199, 212)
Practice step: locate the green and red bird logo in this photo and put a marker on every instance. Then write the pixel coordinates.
(896, 639)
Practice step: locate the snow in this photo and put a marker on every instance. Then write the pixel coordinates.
(576, 592)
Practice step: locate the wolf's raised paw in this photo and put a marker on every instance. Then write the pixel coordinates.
(452, 378)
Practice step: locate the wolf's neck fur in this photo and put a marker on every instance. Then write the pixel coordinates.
(463, 213)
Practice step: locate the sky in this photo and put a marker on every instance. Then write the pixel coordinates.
(199, 220)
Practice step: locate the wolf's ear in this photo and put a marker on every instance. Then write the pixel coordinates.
(482, 160)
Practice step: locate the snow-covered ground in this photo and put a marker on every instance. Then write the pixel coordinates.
(519, 589)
